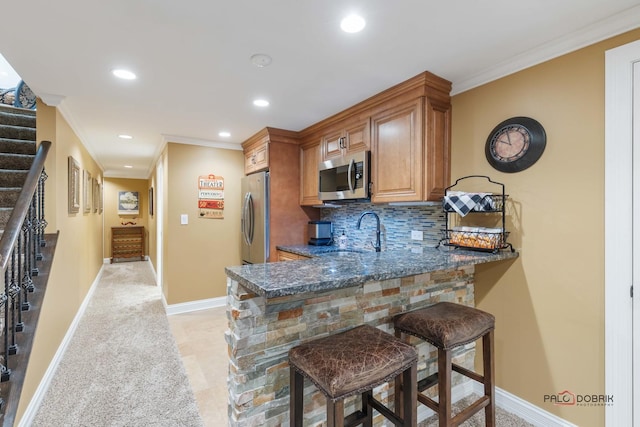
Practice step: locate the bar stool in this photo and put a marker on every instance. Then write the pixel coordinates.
(447, 326)
(349, 363)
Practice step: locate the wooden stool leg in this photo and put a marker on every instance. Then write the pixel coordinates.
(335, 413)
(296, 401)
(398, 397)
(367, 410)
(444, 388)
(410, 396)
(489, 380)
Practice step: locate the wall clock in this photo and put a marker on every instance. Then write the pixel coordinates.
(515, 144)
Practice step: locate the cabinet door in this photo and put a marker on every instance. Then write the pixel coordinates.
(286, 256)
(332, 144)
(357, 137)
(257, 159)
(309, 159)
(396, 146)
(437, 153)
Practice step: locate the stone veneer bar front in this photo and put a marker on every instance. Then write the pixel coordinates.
(274, 307)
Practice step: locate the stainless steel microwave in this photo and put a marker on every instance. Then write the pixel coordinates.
(345, 177)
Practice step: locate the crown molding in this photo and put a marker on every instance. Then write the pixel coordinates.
(601, 30)
(51, 100)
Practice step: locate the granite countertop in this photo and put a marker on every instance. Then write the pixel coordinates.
(330, 268)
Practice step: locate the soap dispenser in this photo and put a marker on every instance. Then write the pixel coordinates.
(342, 241)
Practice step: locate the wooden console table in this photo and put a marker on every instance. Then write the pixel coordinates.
(127, 242)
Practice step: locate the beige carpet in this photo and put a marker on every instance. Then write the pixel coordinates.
(122, 366)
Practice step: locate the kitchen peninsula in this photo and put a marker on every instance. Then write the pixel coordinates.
(275, 306)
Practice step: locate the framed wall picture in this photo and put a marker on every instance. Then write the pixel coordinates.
(88, 191)
(100, 197)
(73, 181)
(96, 194)
(128, 203)
(151, 201)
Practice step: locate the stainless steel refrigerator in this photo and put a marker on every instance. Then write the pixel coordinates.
(254, 223)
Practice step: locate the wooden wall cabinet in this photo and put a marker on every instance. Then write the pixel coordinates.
(408, 129)
(127, 242)
(347, 138)
(309, 160)
(396, 169)
(256, 156)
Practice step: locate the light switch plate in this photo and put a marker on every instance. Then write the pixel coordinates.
(416, 235)
(184, 219)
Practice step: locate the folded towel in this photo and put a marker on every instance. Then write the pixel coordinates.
(463, 203)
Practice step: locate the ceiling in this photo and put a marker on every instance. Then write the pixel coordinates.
(195, 77)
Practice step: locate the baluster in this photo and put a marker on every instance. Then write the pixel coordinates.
(33, 238)
(26, 282)
(14, 300)
(18, 285)
(5, 372)
(42, 223)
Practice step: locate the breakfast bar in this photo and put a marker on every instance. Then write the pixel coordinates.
(273, 307)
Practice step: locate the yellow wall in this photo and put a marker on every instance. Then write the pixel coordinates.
(548, 303)
(112, 186)
(196, 254)
(78, 256)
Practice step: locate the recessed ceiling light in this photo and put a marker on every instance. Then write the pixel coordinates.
(128, 166)
(260, 60)
(123, 136)
(124, 74)
(261, 103)
(352, 24)
(224, 134)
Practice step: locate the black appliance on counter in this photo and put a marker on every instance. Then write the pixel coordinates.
(320, 233)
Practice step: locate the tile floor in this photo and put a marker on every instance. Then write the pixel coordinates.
(200, 338)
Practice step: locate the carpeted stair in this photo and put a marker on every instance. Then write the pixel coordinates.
(17, 151)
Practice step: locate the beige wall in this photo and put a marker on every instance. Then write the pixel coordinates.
(78, 256)
(112, 186)
(195, 254)
(549, 302)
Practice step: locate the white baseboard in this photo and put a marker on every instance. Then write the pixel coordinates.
(108, 260)
(45, 382)
(186, 307)
(523, 409)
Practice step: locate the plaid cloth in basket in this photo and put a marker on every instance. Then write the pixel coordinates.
(463, 203)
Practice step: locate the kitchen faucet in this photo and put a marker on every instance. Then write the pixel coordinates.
(377, 245)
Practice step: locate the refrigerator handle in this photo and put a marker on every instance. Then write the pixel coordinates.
(251, 218)
(244, 222)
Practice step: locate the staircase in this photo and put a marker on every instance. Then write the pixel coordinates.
(26, 252)
(17, 151)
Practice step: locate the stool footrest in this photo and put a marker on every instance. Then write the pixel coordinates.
(467, 373)
(470, 410)
(355, 419)
(390, 415)
(428, 402)
(428, 382)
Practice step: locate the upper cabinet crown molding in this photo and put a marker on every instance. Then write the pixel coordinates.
(424, 84)
(256, 148)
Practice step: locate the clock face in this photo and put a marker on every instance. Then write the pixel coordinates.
(510, 143)
(515, 144)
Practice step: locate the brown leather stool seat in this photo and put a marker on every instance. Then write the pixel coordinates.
(447, 326)
(349, 363)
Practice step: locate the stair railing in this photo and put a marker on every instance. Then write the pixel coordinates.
(19, 251)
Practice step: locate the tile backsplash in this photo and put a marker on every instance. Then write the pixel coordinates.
(396, 224)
